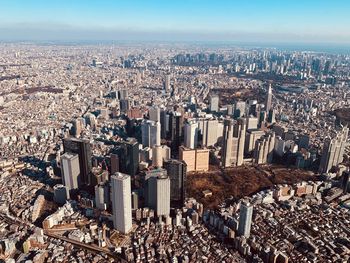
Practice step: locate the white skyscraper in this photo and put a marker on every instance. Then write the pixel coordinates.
(268, 99)
(150, 133)
(245, 219)
(70, 170)
(158, 191)
(214, 103)
(121, 202)
(191, 135)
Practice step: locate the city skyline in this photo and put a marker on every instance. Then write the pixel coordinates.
(250, 22)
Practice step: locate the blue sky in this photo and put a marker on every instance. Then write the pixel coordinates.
(314, 21)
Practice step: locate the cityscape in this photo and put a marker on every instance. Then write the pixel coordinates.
(172, 151)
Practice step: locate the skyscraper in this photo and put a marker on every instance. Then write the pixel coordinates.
(128, 156)
(154, 114)
(333, 151)
(245, 219)
(210, 132)
(268, 99)
(177, 173)
(167, 83)
(233, 142)
(70, 170)
(175, 129)
(264, 148)
(227, 143)
(214, 103)
(83, 149)
(157, 156)
(121, 202)
(191, 134)
(158, 191)
(150, 133)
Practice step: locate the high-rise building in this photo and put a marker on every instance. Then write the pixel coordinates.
(154, 114)
(227, 143)
(157, 156)
(121, 202)
(123, 94)
(158, 191)
(177, 173)
(83, 149)
(240, 109)
(251, 137)
(114, 162)
(128, 156)
(195, 159)
(233, 142)
(70, 170)
(102, 196)
(166, 84)
(124, 105)
(60, 194)
(264, 148)
(150, 133)
(175, 128)
(245, 219)
(268, 99)
(164, 123)
(191, 134)
(210, 132)
(333, 151)
(214, 103)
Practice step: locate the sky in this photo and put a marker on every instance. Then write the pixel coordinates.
(264, 21)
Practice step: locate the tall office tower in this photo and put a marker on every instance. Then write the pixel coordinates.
(60, 194)
(157, 156)
(214, 103)
(83, 149)
(154, 114)
(252, 123)
(233, 142)
(70, 170)
(333, 151)
(164, 123)
(177, 173)
(251, 137)
(191, 134)
(166, 83)
(268, 99)
(124, 105)
(150, 133)
(121, 202)
(245, 219)
(240, 109)
(123, 94)
(210, 132)
(166, 152)
(102, 196)
(227, 143)
(280, 146)
(114, 161)
(230, 110)
(271, 118)
(239, 132)
(195, 159)
(78, 125)
(158, 189)
(264, 147)
(128, 155)
(304, 140)
(175, 128)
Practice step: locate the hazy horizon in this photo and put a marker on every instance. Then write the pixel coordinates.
(288, 22)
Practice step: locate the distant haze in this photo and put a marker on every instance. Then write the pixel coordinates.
(254, 21)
